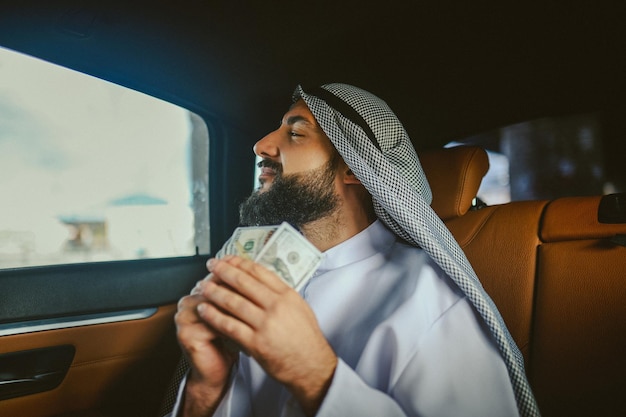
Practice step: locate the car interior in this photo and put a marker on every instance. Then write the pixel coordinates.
(516, 112)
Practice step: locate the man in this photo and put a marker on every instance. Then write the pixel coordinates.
(393, 322)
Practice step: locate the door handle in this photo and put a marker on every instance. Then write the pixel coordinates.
(31, 371)
(35, 379)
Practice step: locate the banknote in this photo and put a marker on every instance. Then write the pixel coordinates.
(281, 249)
(290, 255)
(247, 241)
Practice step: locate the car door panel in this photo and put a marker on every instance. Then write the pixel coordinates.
(123, 365)
(117, 317)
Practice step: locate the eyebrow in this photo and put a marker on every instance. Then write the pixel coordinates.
(297, 118)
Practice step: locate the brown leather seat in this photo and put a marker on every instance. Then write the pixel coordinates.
(557, 279)
(500, 241)
(578, 356)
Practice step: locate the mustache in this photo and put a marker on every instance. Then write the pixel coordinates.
(268, 163)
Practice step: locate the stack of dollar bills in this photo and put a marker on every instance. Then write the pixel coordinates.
(282, 249)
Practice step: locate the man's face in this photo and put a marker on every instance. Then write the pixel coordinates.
(298, 172)
(299, 144)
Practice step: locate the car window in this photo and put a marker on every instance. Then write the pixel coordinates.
(545, 158)
(91, 171)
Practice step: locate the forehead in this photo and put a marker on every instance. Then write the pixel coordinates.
(300, 112)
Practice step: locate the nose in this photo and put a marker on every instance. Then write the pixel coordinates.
(267, 147)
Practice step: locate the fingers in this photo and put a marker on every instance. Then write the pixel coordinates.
(251, 279)
(186, 308)
(233, 304)
(208, 355)
(232, 327)
(218, 307)
(187, 314)
(235, 298)
(191, 331)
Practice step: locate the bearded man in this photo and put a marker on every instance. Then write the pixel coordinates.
(394, 321)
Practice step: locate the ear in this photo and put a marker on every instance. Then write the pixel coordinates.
(349, 177)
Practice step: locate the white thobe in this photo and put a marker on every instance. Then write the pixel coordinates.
(408, 341)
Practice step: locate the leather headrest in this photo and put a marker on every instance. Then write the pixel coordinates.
(454, 175)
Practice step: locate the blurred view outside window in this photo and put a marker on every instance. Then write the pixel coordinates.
(91, 171)
(547, 158)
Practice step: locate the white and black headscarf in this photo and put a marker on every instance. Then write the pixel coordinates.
(376, 147)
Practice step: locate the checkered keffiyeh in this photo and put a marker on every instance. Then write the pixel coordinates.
(376, 147)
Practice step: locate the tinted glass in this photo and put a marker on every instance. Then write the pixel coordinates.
(92, 171)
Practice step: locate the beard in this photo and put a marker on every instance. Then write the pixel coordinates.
(296, 198)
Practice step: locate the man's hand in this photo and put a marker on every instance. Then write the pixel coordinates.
(209, 359)
(251, 306)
